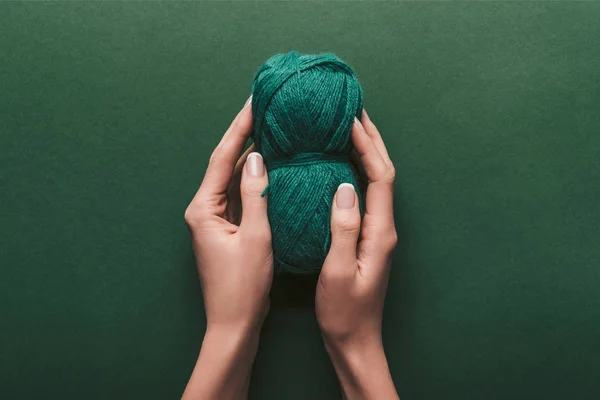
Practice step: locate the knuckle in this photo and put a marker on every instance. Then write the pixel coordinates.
(393, 239)
(192, 216)
(390, 175)
(389, 240)
(216, 157)
(252, 188)
(347, 225)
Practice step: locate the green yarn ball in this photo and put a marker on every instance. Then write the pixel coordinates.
(303, 108)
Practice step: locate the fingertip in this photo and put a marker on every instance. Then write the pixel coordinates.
(359, 137)
(345, 221)
(368, 125)
(359, 126)
(357, 123)
(345, 185)
(365, 116)
(255, 164)
(254, 202)
(345, 195)
(254, 178)
(242, 126)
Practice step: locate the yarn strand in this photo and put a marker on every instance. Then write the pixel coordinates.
(308, 159)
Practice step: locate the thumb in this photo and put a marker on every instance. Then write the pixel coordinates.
(345, 228)
(254, 206)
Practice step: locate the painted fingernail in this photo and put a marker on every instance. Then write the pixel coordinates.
(255, 164)
(248, 101)
(345, 196)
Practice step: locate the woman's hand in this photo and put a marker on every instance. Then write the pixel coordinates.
(353, 281)
(234, 257)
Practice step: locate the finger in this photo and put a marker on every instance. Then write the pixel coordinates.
(233, 191)
(374, 165)
(228, 131)
(255, 222)
(223, 159)
(378, 240)
(375, 136)
(242, 160)
(355, 158)
(345, 229)
(360, 170)
(379, 197)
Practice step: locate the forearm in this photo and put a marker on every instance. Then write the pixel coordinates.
(224, 365)
(362, 369)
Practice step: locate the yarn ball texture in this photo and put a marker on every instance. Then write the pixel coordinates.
(304, 107)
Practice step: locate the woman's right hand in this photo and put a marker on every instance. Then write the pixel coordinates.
(353, 281)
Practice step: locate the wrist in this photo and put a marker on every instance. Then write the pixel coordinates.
(361, 341)
(353, 352)
(224, 364)
(233, 336)
(238, 318)
(361, 367)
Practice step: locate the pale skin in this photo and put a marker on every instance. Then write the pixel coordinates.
(232, 243)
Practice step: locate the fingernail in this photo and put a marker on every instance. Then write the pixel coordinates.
(248, 101)
(255, 164)
(358, 124)
(345, 196)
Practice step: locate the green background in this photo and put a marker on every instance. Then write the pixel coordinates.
(491, 112)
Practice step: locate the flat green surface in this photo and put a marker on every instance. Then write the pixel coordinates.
(491, 111)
